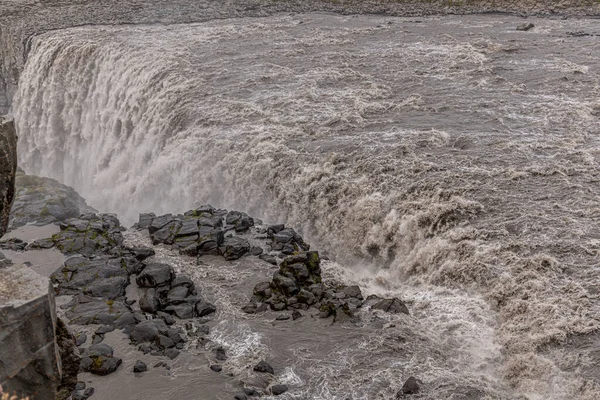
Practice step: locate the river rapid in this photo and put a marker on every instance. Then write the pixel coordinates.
(451, 161)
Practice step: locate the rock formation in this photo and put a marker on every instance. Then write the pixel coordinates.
(8, 168)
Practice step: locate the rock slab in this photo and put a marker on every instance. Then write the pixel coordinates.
(29, 356)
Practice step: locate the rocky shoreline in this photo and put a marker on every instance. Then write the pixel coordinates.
(107, 285)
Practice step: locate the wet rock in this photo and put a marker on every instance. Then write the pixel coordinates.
(97, 339)
(172, 353)
(149, 301)
(296, 314)
(41, 244)
(178, 294)
(216, 368)
(128, 319)
(43, 201)
(291, 237)
(273, 229)
(140, 366)
(145, 220)
(241, 221)
(411, 386)
(263, 366)
(105, 329)
(263, 290)
(240, 396)
(141, 253)
(234, 248)
(81, 339)
(149, 331)
(157, 223)
(283, 317)
(82, 393)
(205, 308)
(353, 291)
(256, 251)
(14, 244)
(219, 354)
(285, 285)
(250, 308)
(182, 311)
(102, 277)
(155, 274)
(89, 235)
(189, 227)
(182, 280)
(84, 310)
(268, 258)
(98, 359)
(279, 389)
(168, 318)
(525, 26)
(393, 306)
(250, 392)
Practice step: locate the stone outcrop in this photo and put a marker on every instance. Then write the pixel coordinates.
(29, 356)
(44, 201)
(8, 168)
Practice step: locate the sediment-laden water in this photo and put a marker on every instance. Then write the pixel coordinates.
(452, 161)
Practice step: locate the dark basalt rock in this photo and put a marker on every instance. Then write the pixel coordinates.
(14, 244)
(393, 306)
(279, 389)
(268, 258)
(141, 253)
(155, 274)
(241, 221)
(140, 366)
(89, 235)
(525, 26)
(234, 248)
(98, 359)
(219, 354)
(216, 368)
(43, 201)
(84, 310)
(102, 277)
(263, 366)
(411, 386)
(149, 331)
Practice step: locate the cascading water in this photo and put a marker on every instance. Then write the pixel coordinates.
(452, 161)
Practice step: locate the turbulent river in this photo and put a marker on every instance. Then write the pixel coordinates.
(450, 161)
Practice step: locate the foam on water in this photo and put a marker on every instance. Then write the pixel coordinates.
(451, 162)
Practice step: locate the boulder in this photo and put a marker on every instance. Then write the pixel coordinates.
(140, 366)
(411, 386)
(393, 306)
(234, 248)
(155, 274)
(276, 390)
(263, 366)
(149, 331)
(98, 359)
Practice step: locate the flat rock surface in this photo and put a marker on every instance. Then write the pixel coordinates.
(19, 284)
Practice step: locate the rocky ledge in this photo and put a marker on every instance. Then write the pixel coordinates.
(43, 201)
